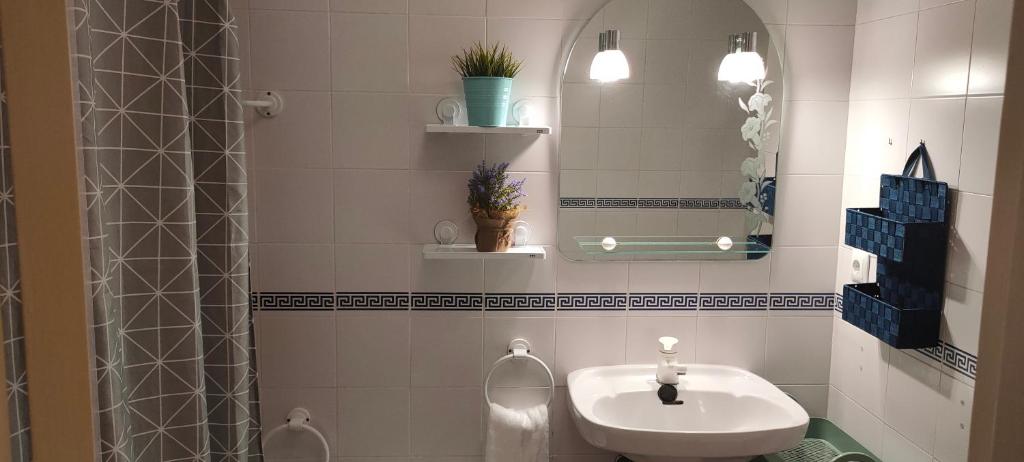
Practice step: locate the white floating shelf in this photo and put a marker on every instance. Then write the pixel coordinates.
(536, 130)
(468, 252)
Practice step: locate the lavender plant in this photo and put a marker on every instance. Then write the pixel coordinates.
(491, 192)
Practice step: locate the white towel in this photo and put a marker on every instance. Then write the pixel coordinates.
(517, 435)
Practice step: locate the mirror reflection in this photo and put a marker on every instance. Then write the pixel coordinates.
(670, 131)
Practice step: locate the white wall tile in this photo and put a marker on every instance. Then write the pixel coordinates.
(580, 105)
(875, 139)
(448, 7)
(912, 399)
(817, 62)
(818, 12)
(579, 148)
(968, 250)
(299, 137)
(587, 342)
(375, 422)
(872, 10)
(532, 41)
(528, 153)
(446, 350)
(433, 40)
(952, 432)
(856, 421)
(619, 148)
(990, 46)
(642, 334)
(771, 11)
(628, 16)
(860, 365)
(322, 406)
(939, 122)
(284, 336)
(371, 206)
(370, 6)
(883, 57)
(302, 5)
(734, 277)
(283, 41)
(806, 210)
(524, 9)
(371, 268)
(676, 277)
(814, 138)
(370, 130)
(896, 447)
(943, 53)
(798, 349)
(521, 276)
(803, 269)
(295, 267)
(437, 196)
(961, 318)
(981, 144)
(294, 205)
(591, 277)
(666, 61)
(663, 106)
(565, 438)
(460, 276)
(627, 101)
(373, 350)
(369, 52)
(733, 341)
(446, 421)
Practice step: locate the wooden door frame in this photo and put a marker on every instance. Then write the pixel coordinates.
(997, 422)
(46, 169)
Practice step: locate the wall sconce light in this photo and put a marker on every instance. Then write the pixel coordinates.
(742, 64)
(609, 63)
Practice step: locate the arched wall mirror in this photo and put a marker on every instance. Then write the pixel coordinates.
(670, 153)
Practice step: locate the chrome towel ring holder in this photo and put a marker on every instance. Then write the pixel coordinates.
(298, 421)
(519, 349)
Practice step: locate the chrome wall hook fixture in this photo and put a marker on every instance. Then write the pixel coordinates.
(269, 104)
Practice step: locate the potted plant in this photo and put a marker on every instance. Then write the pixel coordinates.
(494, 203)
(487, 82)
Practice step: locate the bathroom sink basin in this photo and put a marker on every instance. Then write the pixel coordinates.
(727, 414)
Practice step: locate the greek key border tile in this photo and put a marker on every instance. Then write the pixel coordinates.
(802, 301)
(685, 203)
(954, 358)
(726, 301)
(372, 300)
(520, 302)
(309, 301)
(660, 301)
(446, 301)
(592, 301)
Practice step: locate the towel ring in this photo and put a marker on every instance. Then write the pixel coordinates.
(518, 348)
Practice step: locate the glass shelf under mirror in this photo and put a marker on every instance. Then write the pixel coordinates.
(654, 248)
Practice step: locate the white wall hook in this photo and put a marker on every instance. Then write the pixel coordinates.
(298, 420)
(269, 104)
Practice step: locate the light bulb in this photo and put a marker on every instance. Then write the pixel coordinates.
(743, 66)
(609, 244)
(609, 66)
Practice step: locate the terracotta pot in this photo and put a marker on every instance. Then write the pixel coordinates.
(494, 231)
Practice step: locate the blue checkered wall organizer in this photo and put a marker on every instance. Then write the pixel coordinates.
(909, 232)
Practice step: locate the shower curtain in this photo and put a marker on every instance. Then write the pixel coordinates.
(165, 197)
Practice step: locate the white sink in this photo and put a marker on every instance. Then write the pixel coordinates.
(727, 414)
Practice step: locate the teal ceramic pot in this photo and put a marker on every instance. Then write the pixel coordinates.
(487, 100)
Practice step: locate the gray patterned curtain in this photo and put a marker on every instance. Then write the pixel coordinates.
(165, 193)
(10, 298)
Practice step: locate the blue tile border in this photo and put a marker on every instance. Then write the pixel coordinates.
(307, 301)
(660, 301)
(372, 300)
(687, 203)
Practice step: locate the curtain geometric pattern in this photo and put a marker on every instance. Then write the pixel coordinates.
(165, 193)
(10, 298)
